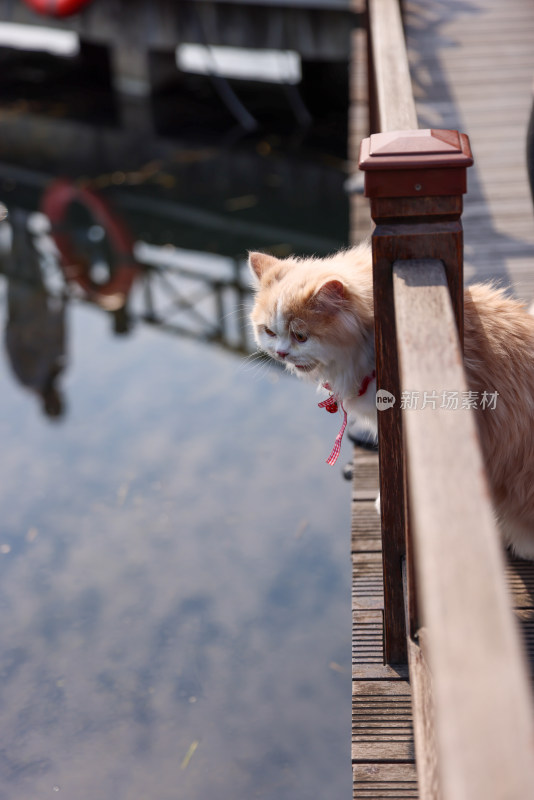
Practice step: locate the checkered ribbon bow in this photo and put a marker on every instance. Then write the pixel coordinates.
(331, 404)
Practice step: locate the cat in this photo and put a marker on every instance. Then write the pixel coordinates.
(315, 315)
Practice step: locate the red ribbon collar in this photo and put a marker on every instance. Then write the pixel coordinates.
(332, 404)
(365, 383)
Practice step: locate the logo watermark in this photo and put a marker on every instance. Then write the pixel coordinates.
(448, 400)
(384, 399)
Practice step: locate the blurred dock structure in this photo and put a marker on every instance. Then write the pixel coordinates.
(163, 210)
(141, 37)
(167, 164)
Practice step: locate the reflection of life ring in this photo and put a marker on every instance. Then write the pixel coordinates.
(57, 8)
(113, 293)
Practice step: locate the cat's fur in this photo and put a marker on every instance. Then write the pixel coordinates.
(316, 316)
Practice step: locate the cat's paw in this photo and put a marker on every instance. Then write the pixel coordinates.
(362, 435)
(377, 504)
(521, 542)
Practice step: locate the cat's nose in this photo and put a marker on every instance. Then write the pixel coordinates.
(282, 353)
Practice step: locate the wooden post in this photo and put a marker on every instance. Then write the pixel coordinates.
(530, 150)
(415, 180)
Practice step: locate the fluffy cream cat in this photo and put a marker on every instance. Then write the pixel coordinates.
(316, 317)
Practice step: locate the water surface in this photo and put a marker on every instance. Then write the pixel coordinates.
(174, 551)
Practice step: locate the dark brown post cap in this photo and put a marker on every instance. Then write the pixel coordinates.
(415, 163)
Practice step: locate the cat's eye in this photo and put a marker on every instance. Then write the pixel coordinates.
(300, 337)
(269, 332)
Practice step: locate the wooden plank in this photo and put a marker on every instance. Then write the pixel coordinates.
(525, 617)
(365, 470)
(365, 528)
(359, 495)
(380, 781)
(520, 580)
(379, 672)
(516, 28)
(484, 721)
(396, 107)
(367, 640)
(445, 104)
(363, 616)
(381, 721)
(426, 756)
(465, 44)
(469, 92)
(508, 55)
(367, 580)
(376, 735)
(499, 247)
(477, 75)
(509, 207)
(423, 720)
(376, 689)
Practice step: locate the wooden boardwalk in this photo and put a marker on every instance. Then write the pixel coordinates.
(382, 737)
(472, 68)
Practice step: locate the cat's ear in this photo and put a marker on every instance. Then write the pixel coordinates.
(330, 296)
(260, 262)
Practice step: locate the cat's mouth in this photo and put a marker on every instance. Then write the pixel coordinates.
(290, 364)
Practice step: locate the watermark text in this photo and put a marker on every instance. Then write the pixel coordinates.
(449, 400)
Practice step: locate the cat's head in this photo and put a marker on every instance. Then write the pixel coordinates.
(308, 312)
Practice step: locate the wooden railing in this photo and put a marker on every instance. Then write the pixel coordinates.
(447, 611)
(391, 99)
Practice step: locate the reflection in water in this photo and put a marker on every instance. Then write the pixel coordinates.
(174, 571)
(35, 322)
(47, 266)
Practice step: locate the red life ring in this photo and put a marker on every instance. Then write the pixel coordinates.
(57, 8)
(113, 293)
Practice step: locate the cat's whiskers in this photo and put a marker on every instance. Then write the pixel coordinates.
(256, 363)
(241, 310)
(256, 356)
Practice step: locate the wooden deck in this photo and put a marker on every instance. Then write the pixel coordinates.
(382, 736)
(472, 68)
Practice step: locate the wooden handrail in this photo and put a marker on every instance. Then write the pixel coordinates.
(390, 87)
(483, 714)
